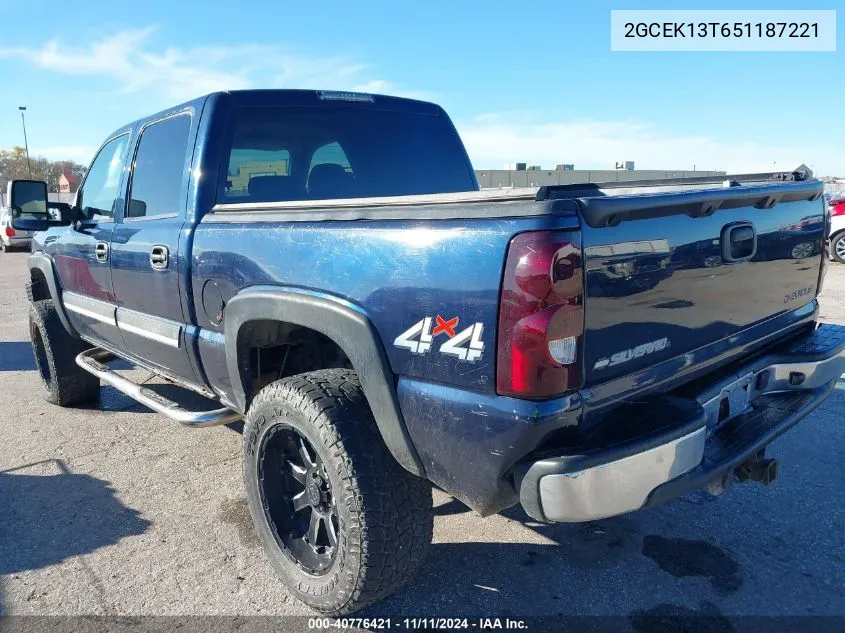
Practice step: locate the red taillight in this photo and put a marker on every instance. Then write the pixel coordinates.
(541, 316)
(837, 209)
(10, 232)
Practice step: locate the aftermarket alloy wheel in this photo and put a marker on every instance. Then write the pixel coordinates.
(306, 525)
(342, 523)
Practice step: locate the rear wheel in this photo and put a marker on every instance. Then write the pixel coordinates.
(837, 247)
(64, 382)
(342, 523)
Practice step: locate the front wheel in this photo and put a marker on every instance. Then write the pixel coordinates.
(64, 382)
(342, 523)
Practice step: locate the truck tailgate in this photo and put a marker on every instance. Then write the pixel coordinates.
(669, 279)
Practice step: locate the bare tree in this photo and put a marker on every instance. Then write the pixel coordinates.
(13, 165)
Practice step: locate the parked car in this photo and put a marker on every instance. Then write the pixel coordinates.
(324, 265)
(10, 237)
(837, 228)
(795, 241)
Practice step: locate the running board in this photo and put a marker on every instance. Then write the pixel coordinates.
(93, 361)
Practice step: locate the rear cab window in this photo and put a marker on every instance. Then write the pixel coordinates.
(277, 154)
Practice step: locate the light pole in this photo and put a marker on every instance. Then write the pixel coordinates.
(25, 142)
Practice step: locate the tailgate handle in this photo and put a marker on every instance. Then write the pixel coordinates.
(739, 242)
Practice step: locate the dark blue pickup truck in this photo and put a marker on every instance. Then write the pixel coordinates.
(324, 265)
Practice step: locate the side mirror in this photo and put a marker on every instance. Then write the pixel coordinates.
(28, 204)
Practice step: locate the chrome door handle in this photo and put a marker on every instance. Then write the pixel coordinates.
(101, 251)
(159, 256)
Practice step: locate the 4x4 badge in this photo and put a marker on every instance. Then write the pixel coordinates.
(464, 345)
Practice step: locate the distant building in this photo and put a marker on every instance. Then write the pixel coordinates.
(68, 182)
(505, 178)
(565, 167)
(515, 167)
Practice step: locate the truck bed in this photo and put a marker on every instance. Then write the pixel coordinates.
(621, 200)
(649, 250)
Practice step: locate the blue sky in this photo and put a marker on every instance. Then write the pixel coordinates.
(532, 82)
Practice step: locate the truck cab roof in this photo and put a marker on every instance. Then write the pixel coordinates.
(293, 98)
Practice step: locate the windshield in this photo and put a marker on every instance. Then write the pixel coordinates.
(278, 154)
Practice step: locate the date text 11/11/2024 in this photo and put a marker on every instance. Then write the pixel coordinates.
(414, 624)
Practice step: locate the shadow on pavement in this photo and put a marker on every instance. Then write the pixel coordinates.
(16, 356)
(575, 571)
(46, 519)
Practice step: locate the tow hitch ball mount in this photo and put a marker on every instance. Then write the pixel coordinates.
(758, 468)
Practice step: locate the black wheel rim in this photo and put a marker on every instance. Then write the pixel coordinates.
(298, 500)
(41, 361)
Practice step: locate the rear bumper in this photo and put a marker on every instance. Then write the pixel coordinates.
(709, 440)
(17, 242)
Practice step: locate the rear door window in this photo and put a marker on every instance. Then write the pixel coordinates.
(159, 169)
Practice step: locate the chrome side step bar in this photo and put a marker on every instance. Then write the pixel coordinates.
(93, 360)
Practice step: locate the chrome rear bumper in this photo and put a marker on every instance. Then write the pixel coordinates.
(731, 420)
(619, 486)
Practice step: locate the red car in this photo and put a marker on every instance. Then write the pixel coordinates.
(837, 228)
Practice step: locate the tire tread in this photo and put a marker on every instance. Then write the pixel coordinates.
(70, 383)
(394, 507)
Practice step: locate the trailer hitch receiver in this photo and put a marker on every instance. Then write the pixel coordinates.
(762, 469)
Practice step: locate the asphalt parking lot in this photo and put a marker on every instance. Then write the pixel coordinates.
(115, 510)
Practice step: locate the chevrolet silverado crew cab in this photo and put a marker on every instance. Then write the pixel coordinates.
(324, 265)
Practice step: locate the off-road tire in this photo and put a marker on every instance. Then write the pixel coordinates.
(838, 240)
(55, 351)
(384, 512)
